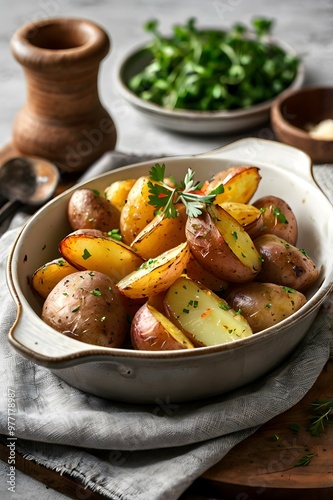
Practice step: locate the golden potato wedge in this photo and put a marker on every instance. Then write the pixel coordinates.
(117, 192)
(240, 183)
(137, 212)
(221, 246)
(48, 276)
(264, 304)
(203, 316)
(88, 210)
(93, 250)
(161, 234)
(152, 331)
(249, 216)
(156, 275)
(277, 218)
(284, 264)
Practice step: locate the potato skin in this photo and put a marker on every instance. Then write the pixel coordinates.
(87, 306)
(149, 334)
(264, 304)
(212, 252)
(89, 210)
(285, 264)
(277, 218)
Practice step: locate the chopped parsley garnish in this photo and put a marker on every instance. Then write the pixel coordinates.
(279, 215)
(86, 254)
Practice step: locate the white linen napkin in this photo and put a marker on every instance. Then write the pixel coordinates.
(127, 451)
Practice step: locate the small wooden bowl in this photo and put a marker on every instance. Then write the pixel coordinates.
(293, 112)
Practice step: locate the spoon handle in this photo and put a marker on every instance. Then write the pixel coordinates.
(8, 208)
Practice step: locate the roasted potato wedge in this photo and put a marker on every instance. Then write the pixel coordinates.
(264, 304)
(285, 264)
(48, 276)
(117, 192)
(156, 275)
(87, 306)
(249, 216)
(137, 212)
(240, 183)
(152, 331)
(161, 234)
(205, 318)
(87, 209)
(222, 247)
(93, 250)
(277, 218)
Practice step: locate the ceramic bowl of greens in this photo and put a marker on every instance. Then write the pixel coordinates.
(209, 81)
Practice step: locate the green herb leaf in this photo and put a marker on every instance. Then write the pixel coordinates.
(212, 69)
(164, 197)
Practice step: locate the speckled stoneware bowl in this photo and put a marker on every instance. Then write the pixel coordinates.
(176, 376)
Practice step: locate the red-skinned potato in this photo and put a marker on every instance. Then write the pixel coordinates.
(264, 304)
(196, 272)
(284, 264)
(277, 218)
(88, 210)
(87, 306)
(152, 331)
(221, 246)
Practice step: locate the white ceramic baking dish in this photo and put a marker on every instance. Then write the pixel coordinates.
(175, 376)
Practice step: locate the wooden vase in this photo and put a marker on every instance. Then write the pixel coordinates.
(63, 119)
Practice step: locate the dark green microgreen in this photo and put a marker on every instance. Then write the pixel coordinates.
(65, 294)
(61, 262)
(288, 290)
(186, 311)
(268, 306)
(96, 292)
(96, 192)
(75, 309)
(213, 69)
(304, 252)
(235, 235)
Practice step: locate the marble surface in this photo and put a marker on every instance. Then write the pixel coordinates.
(304, 24)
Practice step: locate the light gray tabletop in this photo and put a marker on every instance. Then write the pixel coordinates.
(304, 24)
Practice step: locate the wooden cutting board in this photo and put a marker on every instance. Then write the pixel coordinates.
(260, 468)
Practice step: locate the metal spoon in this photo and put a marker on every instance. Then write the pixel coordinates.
(26, 180)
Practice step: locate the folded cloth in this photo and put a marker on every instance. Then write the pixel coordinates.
(126, 451)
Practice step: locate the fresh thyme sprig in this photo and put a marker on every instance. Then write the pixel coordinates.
(322, 415)
(188, 191)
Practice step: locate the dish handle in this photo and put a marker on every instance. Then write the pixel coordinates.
(263, 152)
